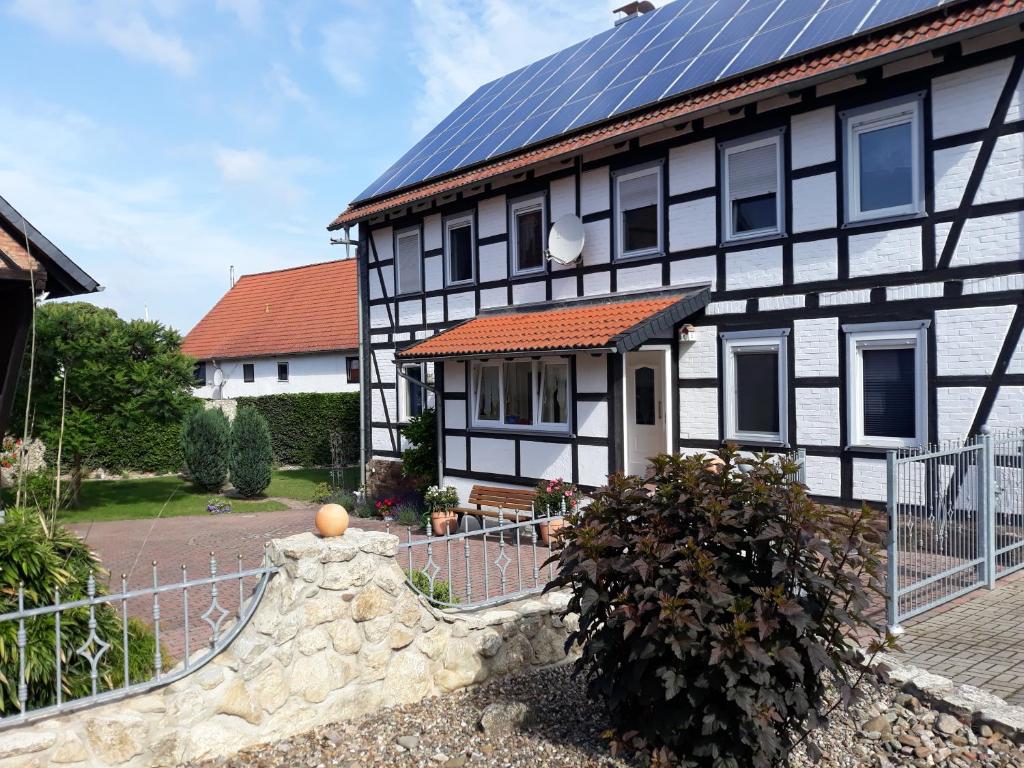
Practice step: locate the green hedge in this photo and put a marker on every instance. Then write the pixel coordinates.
(146, 447)
(301, 424)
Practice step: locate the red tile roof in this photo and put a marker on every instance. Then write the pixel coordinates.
(787, 77)
(303, 309)
(588, 326)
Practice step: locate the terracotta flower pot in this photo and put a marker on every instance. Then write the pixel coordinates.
(331, 520)
(550, 533)
(444, 522)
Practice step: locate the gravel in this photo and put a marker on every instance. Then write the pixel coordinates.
(562, 728)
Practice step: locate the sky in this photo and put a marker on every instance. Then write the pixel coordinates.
(160, 142)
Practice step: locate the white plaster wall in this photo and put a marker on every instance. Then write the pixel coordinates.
(598, 243)
(563, 288)
(381, 399)
(433, 273)
(816, 346)
(461, 305)
(753, 268)
(435, 309)
(824, 475)
(593, 461)
(814, 203)
(379, 317)
(1007, 408)
(493, 455)
(957, 407)
(817, 415)
(702, 269)
(965, 100)
(815, 260)
(591, 373)
(492, 216)
(563, 197)
(698, 359)
(638, 278)
(493, 262)
(813, 137)
(953, 168)
(454, 376)
(385, 365)
(493, 297)
(693, 224)
(528, 293)
(432, 232)
(410, 312)
(893, 250)
(869, 479)
(545, 461)
(592, 419)
(383, 240)
(914, 291)
(986, 239)
(455, 453)
(594, 191)
(1004, 174)
(597, 284)
(691, 167)
(380, 439)
(382, 282)
(698, 413)
(454, 414)
(306, 373)
(968, 339)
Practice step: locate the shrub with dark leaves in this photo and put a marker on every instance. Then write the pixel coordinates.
(717, 608)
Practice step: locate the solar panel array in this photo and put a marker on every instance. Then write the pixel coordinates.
(681, 46)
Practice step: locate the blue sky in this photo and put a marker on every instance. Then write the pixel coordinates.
(158, 142)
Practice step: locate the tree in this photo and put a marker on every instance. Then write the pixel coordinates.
(206, 445)
(251, 455)
(122, 375)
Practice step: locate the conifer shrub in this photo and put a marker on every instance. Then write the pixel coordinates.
(251, 453)
(206, 446)
(716, 609)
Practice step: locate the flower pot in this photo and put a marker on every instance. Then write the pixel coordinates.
(331, 520)
(550, 533)
(444, 522)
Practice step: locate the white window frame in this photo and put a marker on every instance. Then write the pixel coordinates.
(515, 209)
(878, 116)
(404, 386)
(776, 340)
(400, 235)
(287, 371)
(620, 230)
(899, 335)
(456, 222)
(731, 148)
(536, 375)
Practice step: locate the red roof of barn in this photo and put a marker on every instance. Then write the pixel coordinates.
(302, 309)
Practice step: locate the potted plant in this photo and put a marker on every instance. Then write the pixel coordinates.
(386, 509)
(442, 503)
(551, 495)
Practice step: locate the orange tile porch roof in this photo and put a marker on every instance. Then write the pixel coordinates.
(303, 309)
(864, 50)
(619, 325)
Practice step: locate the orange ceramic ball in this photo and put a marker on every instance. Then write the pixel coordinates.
(331, 520)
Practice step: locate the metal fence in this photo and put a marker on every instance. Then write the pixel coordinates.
(100, 668)
(956, 520)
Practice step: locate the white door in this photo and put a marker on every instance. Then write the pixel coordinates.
(646, 434)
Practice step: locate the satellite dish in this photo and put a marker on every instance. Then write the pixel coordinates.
(218, 377)
(565, 241)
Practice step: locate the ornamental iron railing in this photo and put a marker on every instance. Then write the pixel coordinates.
(956, 520)
(195, 632)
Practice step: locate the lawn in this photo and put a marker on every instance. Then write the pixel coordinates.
(174, 497)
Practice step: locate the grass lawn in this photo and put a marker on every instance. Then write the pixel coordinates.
(173, 497)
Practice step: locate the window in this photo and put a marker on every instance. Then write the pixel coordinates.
(521, 393)
(887, 384)
(199, 374)
(527, 235)
(638, 207)
(459, 248)
(756, 393)
(352, 369)
(248, 373)
(411, 394)
(407, 260)
(752, 174)
(644, 395)
(883, 161)
(282, 371)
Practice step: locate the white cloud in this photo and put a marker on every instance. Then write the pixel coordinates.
(249, 12)
(269, 178)
(280, 81)
(351, 45)
(124, 27)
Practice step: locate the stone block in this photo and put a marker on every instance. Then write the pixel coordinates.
(25, 742)
(371, 603)
(236, 700)
(116, 739)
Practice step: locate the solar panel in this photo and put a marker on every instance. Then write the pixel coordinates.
(683, 45)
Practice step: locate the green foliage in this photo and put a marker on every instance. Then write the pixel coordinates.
(251, 456)
(301, 424)
(206, 447)
(441, 592)
(410, 515)
(127, 383)
(47, 559)
(419, 461)
(716, 608)
(322, 493)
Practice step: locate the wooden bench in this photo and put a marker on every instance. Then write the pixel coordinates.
(515, 504)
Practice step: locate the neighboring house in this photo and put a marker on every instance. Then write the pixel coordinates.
(293, 330)
(40, 268)
(803, 224)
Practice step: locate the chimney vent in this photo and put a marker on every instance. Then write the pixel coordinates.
(633, 10)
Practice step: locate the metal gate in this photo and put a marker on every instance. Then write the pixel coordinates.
(956, 520)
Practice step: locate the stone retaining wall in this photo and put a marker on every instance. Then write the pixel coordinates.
(338, 634)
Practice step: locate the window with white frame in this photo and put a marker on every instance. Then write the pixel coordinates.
(638, 212)
(518, 394)
(887, 384)
(755, 391)
(459, 248)
(884, 161)
(526, 230)
(752, 176)
(411, 396)
(408, 258)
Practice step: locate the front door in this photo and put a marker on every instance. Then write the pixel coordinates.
(646, 433)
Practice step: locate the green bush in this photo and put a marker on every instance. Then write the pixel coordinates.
(206, 446)
(301, 424)
(145, 446)
(251, 456)
(419, 461)
(716, 608)
(441, 593)
(46, 559)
